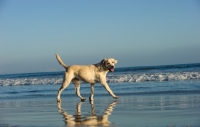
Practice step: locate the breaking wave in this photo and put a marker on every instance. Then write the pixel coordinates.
(111, 78)
(154, 77)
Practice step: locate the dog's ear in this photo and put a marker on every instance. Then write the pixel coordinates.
(103, 61)
(115, 61)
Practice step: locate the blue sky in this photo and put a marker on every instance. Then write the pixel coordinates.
(135, 32)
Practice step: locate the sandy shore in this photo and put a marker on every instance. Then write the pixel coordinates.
(141, 111)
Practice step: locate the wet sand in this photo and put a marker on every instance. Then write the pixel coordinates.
(137, 110)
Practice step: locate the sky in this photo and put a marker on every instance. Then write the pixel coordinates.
(135, 32)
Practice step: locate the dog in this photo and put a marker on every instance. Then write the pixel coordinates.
(88, 73)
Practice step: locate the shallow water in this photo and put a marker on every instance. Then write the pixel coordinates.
(137, 110)
(120, 89)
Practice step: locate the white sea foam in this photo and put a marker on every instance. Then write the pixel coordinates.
(30, 81)
(111, 78)
(154, 77)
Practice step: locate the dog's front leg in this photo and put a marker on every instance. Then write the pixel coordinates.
(92, 92)
(105, 85)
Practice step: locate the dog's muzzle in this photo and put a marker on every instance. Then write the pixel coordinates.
(111, 69)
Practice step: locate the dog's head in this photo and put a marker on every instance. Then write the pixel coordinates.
(109, 63)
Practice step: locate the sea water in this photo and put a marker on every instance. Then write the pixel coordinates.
(153, 80)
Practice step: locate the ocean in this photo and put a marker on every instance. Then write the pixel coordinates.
(146, 80)
(153, 96)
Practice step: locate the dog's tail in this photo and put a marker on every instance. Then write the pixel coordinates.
(60, 61)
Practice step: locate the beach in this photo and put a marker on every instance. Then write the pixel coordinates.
(158, 96)
(136, 60)
(138, 110)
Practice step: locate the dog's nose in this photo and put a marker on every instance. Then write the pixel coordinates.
(112, 66)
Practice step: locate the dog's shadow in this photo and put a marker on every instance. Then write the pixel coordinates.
(87, 120)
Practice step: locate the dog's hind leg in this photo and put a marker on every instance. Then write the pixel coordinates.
(76, 83)
(66, 81)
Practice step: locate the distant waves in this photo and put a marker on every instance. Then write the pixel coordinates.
(111, 78)
(143, 77)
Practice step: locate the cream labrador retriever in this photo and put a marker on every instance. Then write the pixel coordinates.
(88, 73)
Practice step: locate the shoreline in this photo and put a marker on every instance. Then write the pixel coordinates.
(146, 110)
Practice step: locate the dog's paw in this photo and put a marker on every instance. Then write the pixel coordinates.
(83, 99)
(116, 97)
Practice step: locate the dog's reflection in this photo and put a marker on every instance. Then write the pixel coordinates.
(90, 120)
